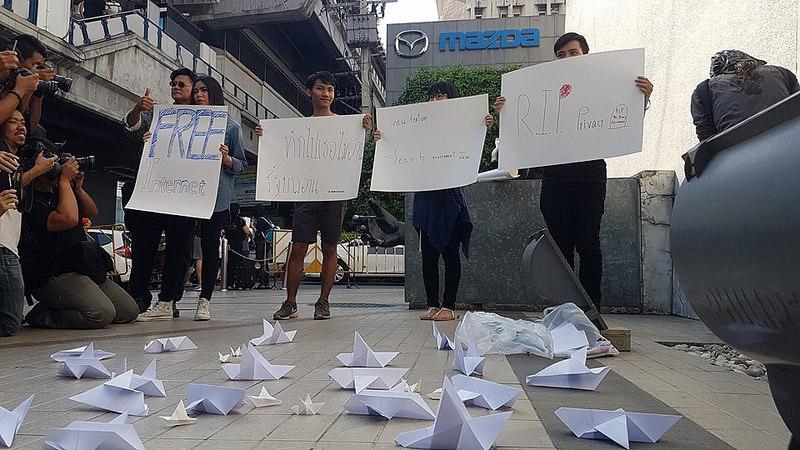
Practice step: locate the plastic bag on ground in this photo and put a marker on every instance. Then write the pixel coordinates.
(569, 313)
(496, 334)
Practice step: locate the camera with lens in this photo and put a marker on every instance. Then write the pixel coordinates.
(34, 146)
(43, 88)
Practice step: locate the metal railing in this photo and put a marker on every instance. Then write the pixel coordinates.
(97, 29)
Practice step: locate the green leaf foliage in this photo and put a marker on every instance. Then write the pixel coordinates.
(469, 81)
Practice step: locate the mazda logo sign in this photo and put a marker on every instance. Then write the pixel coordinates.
(411, 43)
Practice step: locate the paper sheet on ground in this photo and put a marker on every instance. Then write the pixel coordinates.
(619, 426)
(573, 109)
(115, 395)
(571, 373)
(310, 159)
(254, 367)
(360, 378)
(273, 335)
(85, 365)
(566, 339)
(11, 421)
(180, 164)
(490, 395)
(364, 356)
(442, 341)
(61, 355)
(171, 344)
(307, 407)
(454, 428)
(212, 399)
(115, 434)
(389, 404)
(264, 399)
(147, 383)
(179, 417)
(431, 145)
(469, 362)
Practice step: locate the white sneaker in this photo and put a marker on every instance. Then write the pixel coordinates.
(203, 311)
(159, 311)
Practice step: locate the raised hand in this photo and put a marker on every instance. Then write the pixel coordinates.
(8, 200)
(499, 103)
(646, 87)
(9, 162)
(146, 102)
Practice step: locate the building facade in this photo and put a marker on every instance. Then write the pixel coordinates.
(260, 52)
(679, 39)
(442, 44)
(497, 9)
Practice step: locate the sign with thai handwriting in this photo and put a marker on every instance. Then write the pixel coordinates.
(310, 159)
(180, 165)
(429, 146)
(575, 109)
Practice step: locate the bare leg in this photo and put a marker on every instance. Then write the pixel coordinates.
(198, 269)
(329, 265)
(295, 270)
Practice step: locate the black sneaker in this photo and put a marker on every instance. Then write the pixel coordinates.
(288, 311)
(175, 311)
(322, 310)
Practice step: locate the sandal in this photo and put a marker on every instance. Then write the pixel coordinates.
(444, 315)
(429, 314)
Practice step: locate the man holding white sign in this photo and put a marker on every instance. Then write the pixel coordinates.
(317, 164)
(146, 227)
(568, 136)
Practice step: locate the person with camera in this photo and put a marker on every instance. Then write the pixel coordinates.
(12, 293)
(69, 273)
(146, 228)
(15, 88)
(32, 54)
(12, 138)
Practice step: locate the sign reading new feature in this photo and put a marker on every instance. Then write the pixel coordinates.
(414, 43)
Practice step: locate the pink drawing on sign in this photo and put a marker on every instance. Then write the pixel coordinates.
(566, 90)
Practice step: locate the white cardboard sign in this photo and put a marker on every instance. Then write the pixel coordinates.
(430, 146)
(310, 159)
(575, 109)
(180, 164)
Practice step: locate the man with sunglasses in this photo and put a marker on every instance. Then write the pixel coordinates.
(146, 227)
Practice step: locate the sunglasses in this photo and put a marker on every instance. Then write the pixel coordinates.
(178, 84)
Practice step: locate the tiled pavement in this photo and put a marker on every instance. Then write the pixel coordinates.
(731, 406)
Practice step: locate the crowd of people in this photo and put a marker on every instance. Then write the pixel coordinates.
(46, 255)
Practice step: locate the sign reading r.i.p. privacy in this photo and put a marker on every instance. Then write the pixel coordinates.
(180, 165)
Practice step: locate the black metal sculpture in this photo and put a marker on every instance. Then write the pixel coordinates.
(381, 229)
(735, 237)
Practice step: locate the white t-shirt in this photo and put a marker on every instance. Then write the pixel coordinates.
(10, 229)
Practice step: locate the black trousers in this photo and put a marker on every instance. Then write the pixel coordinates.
(209, 243)
(430, 271)
(573, 213)
(145, 229)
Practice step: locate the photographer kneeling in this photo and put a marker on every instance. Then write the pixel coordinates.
(69, 276)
